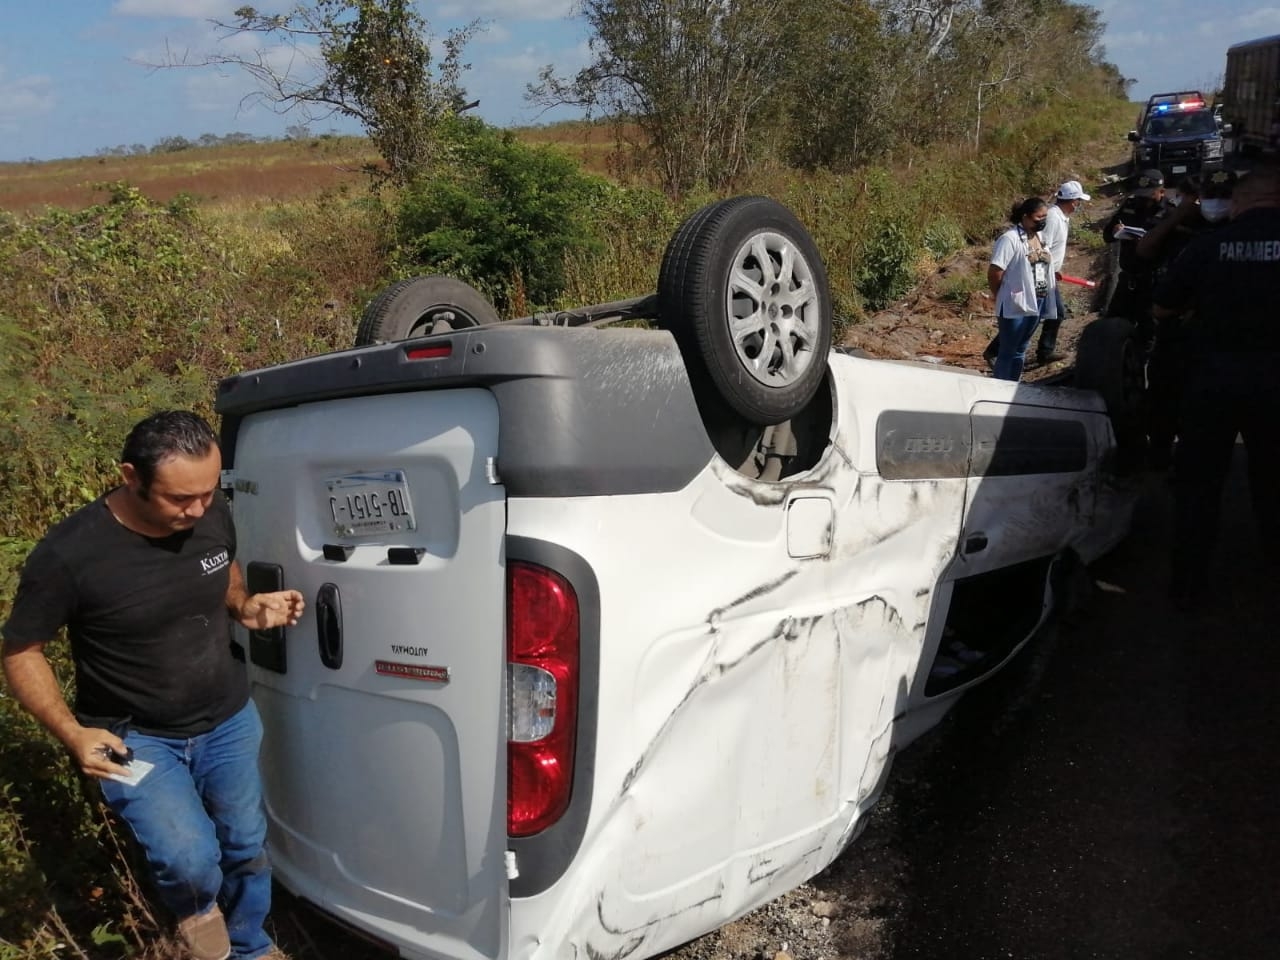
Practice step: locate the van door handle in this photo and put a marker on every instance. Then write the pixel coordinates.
(329, 625)
(976, 543)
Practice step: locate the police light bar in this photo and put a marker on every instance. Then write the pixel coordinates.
(1184, 105)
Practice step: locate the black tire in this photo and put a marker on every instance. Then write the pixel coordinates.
(711, 275)
(421, 306)
(1110, 360)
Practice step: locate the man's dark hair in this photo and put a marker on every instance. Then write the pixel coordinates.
(163, 435)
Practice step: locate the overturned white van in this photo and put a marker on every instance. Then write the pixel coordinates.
(604, 645)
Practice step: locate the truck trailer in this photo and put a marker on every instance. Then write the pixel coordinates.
(1251, 95)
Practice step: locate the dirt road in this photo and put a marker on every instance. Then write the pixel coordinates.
(1123, 803)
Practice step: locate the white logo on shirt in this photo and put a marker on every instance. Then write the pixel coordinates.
(214, 562)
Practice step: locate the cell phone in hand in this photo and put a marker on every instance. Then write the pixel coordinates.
(137, 770)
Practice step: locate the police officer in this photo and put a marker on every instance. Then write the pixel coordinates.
(1228, 279)
(1203, 206)
(1132, 295)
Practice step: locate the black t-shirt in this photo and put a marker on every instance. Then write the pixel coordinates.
(1230, 277)
(146, 616)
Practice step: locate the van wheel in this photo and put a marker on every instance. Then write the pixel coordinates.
(1110, 361)
(743, 290)
(421, 306)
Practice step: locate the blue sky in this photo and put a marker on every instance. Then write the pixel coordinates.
(73, 79)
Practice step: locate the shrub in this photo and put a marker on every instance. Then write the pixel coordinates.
(499, 214)
(943, 238)
(887, 269)
(959, 289)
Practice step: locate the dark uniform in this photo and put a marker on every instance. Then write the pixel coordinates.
(1169, 355)
(1132, 295)
(1229, 279)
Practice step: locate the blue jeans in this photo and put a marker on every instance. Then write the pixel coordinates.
(1015, 334)
(199, 819)
(1048, 343)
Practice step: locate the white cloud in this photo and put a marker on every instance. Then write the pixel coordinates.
(492, 35)
(1266, 19)
(176, 9)
(1134, 40)
(505, 10)
(24, 97)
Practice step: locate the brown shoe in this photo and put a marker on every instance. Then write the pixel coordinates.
(205, 935)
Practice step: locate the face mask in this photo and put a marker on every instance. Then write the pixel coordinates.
(1038, 225)
(1215, 211)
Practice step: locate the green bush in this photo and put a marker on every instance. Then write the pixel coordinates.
(499, 214)
(887, 270)
(959, 289)
(942, 238)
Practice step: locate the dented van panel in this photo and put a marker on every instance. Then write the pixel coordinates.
(756, 654)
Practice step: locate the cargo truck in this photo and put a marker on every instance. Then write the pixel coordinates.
(1251, 95)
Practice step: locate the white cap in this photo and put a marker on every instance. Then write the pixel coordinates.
(1071, 190)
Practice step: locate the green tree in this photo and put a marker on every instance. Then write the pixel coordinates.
(369, 60)
(699, 78)
(499, 213)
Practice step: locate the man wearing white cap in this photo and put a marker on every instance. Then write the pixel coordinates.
(1070, 195)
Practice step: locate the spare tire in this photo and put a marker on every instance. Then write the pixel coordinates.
(744, 291)
(421, 306)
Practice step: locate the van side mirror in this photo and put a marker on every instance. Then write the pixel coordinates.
(1226, 128)
(1133, 136)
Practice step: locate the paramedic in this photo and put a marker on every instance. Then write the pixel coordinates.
(1228, 279)
(1021, 281)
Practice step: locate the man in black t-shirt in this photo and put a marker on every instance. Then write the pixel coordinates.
(1227, 279)
(145, 581)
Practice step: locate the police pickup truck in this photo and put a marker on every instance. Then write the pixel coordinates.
(1179, 135)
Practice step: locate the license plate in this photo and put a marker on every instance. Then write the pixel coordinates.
(368, 504)
(1180, 168)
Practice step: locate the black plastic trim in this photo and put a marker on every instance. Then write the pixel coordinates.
(577, 407)
(329, 637)
(267, 648)
(543, 858)
(914, 445)
(405, 556)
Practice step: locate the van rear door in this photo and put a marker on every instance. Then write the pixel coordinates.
(384, 759)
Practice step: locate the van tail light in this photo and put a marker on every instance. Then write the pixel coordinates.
(542, 685)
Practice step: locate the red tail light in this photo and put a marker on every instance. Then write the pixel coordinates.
(542, 684)
(434, 351)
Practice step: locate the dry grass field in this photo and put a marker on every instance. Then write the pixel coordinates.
(226, 175)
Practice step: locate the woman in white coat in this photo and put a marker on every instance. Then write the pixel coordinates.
(1021, 280)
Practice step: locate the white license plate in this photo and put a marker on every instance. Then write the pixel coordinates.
(1180, 168)
(367, 504)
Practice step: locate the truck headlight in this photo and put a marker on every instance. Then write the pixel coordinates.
(1213, 148)
(1145, 153)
